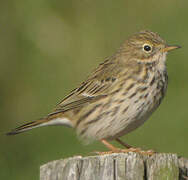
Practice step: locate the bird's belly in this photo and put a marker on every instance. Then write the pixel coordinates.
(123, 117)
(120, 121)
(138, 113)
(138, 110)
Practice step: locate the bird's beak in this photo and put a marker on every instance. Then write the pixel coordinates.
(170, 47)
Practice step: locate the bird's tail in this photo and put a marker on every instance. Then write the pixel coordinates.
(53, 119)
(28, 126)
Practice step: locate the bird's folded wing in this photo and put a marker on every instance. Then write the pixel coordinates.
(99, 85)
(76, 104)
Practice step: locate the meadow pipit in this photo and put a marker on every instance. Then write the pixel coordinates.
(118, 96)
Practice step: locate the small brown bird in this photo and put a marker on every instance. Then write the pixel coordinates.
(118, 96)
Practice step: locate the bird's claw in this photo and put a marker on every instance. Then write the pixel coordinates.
(136, 150)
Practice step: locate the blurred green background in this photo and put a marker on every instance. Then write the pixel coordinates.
(47, 47)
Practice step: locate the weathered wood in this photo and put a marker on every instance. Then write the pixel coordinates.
(127, 166)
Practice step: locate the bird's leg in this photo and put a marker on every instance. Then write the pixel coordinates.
(123, 143)
(129, 147)
(132, 149)
(112, 148)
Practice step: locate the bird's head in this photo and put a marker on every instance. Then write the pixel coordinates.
(146, 47)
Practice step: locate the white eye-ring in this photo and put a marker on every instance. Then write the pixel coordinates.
(147, 47)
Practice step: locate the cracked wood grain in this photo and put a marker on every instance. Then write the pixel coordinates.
(122, 166)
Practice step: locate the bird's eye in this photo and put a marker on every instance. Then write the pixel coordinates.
(147, 47)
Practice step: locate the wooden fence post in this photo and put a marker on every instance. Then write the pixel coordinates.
(122, 166)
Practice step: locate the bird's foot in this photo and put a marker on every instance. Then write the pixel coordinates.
(114, 149)
(137, 150)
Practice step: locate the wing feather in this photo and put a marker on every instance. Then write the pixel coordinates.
(98, 85)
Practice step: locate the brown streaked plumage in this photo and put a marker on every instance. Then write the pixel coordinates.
(118, 96)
